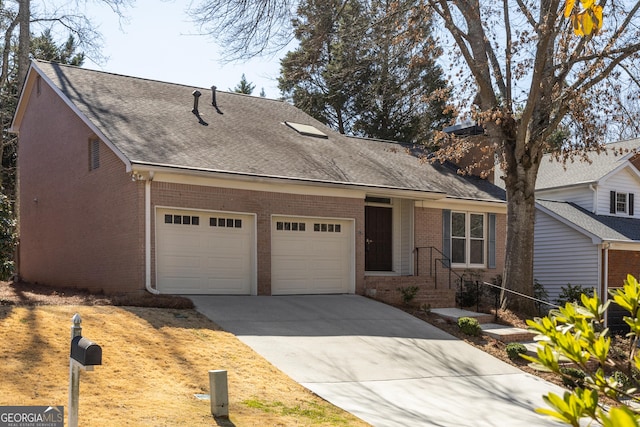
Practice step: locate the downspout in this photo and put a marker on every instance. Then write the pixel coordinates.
(147, 235)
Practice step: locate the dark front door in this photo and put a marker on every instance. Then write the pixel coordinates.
(377, 232)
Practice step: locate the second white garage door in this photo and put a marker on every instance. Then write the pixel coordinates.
(204, 252)
(311, 256)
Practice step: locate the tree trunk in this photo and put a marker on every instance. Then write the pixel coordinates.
(24, 40)
(518, 270)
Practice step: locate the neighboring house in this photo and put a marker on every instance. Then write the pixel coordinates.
(587, 229)
(129, 184)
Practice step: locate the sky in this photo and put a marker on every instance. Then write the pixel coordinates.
(160, 43)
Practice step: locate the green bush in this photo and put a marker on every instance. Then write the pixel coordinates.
(467, 295)
(624, 382)
(408, 293)
(540, 293)
(515, 349)
(469, 326)
(571, 293)
(572, 377)
(570, 330)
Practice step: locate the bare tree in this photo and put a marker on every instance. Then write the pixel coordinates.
(19, 19)
(521, 72)
(528, 73)
(247, 28)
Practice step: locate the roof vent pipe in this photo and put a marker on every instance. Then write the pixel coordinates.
(213, 100)
(196, 95)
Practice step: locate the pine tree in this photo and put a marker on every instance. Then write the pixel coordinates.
(244, 86)
(354, 71)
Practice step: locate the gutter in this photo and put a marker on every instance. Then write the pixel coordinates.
(271, 179)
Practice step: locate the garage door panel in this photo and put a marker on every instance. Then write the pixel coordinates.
(202, 258)
(181, 265)
(328, 265)
(178, 243)
(226, 286)
(312, 259)
(290, 246)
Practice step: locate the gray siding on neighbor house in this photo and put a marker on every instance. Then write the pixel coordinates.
(582, 196)
(562, 255)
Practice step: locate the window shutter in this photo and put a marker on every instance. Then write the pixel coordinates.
(446, 236)
(491, 257)
(630, 204)
(612, 202)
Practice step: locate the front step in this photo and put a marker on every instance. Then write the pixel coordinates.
(452, 315)
(507, 334)
(502, 333)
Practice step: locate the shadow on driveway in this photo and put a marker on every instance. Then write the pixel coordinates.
(380, 363)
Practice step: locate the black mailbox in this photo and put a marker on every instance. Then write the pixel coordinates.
(85, 352)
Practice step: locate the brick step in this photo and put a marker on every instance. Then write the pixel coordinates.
(507, 334)
(453, 314)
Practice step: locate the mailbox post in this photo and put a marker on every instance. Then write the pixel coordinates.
(84, 356)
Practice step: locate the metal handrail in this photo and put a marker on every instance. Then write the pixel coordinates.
(445, 261)
(502, 288)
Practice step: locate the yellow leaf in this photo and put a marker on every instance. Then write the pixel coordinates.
(587, 22)
(620, 417)
(568, 7)
(586, 4)
(577, 26)
(597, 13)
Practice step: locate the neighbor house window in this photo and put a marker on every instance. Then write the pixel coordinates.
(621, 203)
(94, 154)
(468, 237)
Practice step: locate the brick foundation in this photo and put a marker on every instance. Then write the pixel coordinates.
(387, 289)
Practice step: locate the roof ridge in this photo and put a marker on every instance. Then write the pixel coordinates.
(111, 73)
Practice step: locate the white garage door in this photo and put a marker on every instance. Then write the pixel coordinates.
(311, 256)
(204, 252)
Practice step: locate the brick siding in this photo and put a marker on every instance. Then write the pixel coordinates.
(78, 227)
(620, 264)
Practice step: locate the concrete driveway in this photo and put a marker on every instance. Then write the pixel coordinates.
(379, 363)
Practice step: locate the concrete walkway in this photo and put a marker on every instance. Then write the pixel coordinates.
(379, 363)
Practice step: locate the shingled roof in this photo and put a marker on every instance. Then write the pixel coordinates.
(553, 174)
(151, 123)
(604, 227)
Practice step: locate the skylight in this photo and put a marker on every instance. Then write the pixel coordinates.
(306, 130)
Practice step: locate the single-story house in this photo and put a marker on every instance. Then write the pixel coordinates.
(128, 184)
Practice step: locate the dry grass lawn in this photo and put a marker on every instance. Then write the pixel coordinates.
(154, 361)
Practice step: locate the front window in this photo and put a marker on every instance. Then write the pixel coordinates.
(468, 238)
